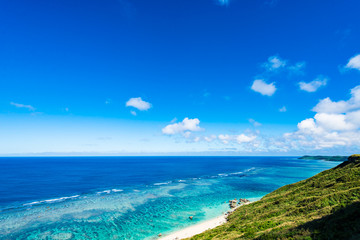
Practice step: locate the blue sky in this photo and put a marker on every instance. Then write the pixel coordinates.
(135, 77)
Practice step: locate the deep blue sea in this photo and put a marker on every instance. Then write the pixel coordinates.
(132, 197)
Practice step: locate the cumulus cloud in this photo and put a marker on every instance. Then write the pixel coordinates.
(328, 106)
(274, 63)
(335, 124)
(263, 88)
(242, 138)
(354, 62)
(138, 103)
(19, 105)
(185, 127)
(314, 85)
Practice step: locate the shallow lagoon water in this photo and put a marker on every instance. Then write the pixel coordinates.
(132, 197)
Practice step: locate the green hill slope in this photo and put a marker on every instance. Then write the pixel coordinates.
(326, 206)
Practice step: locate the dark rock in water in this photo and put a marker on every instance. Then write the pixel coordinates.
(243, 200)
(233, 203)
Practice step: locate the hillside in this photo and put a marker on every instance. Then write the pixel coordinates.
(326, 206)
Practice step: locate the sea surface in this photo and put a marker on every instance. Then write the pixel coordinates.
(132, 197)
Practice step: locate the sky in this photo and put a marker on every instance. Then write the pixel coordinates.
(205, 77)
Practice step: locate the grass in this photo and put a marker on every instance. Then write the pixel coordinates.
(326, 206)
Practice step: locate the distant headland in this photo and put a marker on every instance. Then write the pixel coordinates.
(326, 158)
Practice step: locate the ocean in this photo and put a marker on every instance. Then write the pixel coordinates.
(132, 197)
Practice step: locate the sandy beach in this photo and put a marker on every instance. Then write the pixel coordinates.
(196, 229)
(200, 227)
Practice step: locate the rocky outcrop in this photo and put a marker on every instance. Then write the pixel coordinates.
(233, 203)
(243, 201)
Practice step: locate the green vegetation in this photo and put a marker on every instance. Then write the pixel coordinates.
(326, 206)
(326, 158)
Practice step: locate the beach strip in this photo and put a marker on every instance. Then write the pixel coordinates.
(202, 226)
(195, 229)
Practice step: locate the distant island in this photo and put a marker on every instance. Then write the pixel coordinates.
(325, 158)
(326, 206)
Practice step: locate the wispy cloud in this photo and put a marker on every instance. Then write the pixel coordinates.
(108, 101)
(19, 105)
(283, 109)
(297, 68)
(254, 123)
(314, 85)
(263, 88)
(274, 63)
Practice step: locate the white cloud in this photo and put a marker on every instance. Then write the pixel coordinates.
(184, 127)
(224, 138)
(335, 124)
(328, 106)
(242, 138)
(314, 85)
(210, 138)
(133, 113)
(19, 105)
(354, 62)
(274, 63)
(138, 103)
(283, 109)
(254, 123)
(262, 87)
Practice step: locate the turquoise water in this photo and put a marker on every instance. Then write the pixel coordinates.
(134, 198)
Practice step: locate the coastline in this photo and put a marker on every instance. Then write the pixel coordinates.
(195, 229)
(199, 227)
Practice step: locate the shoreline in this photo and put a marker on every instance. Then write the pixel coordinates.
(199, 227)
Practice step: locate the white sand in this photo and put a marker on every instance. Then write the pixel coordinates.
(200, 227)
(196, 229)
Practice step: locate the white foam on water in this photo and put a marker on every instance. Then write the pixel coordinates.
(105, 191)
(162, 183)
(51, 200)
(116, 190)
